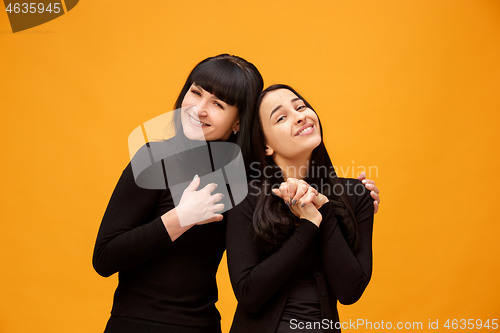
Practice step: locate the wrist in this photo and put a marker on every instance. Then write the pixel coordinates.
(314, 218)
(172, 224)
(321, 199)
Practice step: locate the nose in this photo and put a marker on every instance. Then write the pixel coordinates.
(200, 108)
(300, 117)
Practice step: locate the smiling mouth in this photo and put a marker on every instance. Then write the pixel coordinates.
(196, 122)
(308, 129)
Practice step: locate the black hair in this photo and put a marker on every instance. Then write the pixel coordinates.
(232, 79)
(273, 221)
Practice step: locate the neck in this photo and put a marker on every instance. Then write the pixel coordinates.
(293, 168)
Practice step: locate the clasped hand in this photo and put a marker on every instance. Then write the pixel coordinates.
(302, 199)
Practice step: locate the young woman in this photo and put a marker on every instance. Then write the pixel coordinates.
(293, 254)
(167, 255)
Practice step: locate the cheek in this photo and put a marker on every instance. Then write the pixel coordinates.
(187, 100)
(229, 118)
(276, 136)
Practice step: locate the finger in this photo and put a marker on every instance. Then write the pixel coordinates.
(284, 192)
(368, 181)
(362, 176)
(210, 187)
(216, 217)
(308, 198)
(217, 197)
(194, 184)
(302, 189)
(306, 204)
(292, 185)
(218, 207)
(375, 196)
(375, 207)
(315, 191)
(276, 192)
(372, 187)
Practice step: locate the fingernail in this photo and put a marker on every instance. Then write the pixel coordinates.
(196, 177)
(294, 202)
(364, 181)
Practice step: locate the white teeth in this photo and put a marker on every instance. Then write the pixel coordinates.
(197, 121)
(305, 130)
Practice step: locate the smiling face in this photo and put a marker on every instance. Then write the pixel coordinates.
(206, 117)
(291, 129)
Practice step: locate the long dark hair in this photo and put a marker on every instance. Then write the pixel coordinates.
(273, 221)
(232, 79)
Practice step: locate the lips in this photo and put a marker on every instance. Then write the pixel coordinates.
(193, 120)
(305, 130)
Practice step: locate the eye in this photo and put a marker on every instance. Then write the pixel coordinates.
(219, 105)
(196, 92)
(280, 118)
(301, 107)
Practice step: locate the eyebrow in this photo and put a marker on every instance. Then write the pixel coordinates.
(200, 87)
(279, 106)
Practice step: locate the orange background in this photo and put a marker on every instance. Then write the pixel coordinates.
(410, 87)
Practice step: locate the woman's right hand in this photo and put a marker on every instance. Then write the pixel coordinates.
(308, 212)
(199, 207)
(303, 207)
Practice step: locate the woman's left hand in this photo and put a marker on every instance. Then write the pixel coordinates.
(296, 191)
(374, 191)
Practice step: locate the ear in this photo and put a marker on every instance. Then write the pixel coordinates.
(269, 151)
(236, 126)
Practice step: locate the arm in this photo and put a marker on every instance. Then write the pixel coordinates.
(128, 234)
(254, 280)
(348, 273)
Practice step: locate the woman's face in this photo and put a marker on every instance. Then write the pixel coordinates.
(205, 117)
(291, 129)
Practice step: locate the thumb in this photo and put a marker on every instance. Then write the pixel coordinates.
(362, 175)
(194, 184)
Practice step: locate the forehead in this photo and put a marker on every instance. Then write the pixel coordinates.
(194, 84)
(276, 98)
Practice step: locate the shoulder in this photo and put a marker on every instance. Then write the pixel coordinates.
(250, 201)
(147, 166)
(358, 195)
(244, 210)
(351, 187)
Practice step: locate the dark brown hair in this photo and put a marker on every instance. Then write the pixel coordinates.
(232, 79)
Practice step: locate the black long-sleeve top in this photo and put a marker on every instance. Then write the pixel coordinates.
(159, 280)
(262, 285)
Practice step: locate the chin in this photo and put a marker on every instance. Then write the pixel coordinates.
(193, 134)
(315, 143)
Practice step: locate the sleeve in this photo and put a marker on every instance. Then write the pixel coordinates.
(128, 234)
(255, 280)
(348, 273)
